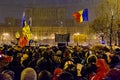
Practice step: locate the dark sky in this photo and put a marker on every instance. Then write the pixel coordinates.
(14, 8)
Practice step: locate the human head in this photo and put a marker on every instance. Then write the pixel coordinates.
(44, 75)
(9, 72)
(28, 74)
(66, 76)
(5, 76)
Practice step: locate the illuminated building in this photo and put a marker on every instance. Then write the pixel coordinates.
(50, 17)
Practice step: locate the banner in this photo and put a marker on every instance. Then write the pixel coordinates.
(62, 37)
(79, 38)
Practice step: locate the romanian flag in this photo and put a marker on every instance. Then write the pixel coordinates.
(26, 31)
(81, 15)
(26, 35)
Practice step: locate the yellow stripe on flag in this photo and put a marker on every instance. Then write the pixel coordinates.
(81, 17)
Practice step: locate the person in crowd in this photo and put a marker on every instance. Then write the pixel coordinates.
(102, 70)
(5, 76)
(3, 63)
(108, 54)
(58, 58)
(9, 72)
(115, 62)
(16, 67)
(5, 60)
(28, 74)
(114, 72)
(90, 67)
(67, 59)
(60, 63)
(66, 76)
(77, 55)
(69, 65)
(56, 73)
(46, 62)
(44, 75)
(23, 58)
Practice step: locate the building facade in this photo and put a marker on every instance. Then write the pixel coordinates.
(43, 35)
(51, 17)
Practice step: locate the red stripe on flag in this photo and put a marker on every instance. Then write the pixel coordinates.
(77, 16)
(22, 41)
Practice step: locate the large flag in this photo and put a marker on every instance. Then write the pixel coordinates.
(81, 15)
(26, 31)
(26, 35)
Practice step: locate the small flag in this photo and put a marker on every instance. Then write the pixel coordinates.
(81, 15)
(30, 22)
(23, 19)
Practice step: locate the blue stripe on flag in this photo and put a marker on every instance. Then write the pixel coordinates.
(85, 15)
(23, 19)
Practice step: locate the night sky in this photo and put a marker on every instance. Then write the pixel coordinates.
(15, 8)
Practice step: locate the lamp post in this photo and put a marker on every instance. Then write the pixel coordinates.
(111, 31)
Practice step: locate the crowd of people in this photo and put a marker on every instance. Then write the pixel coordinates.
(59, 63)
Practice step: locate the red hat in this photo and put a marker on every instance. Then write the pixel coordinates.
(57, 71)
